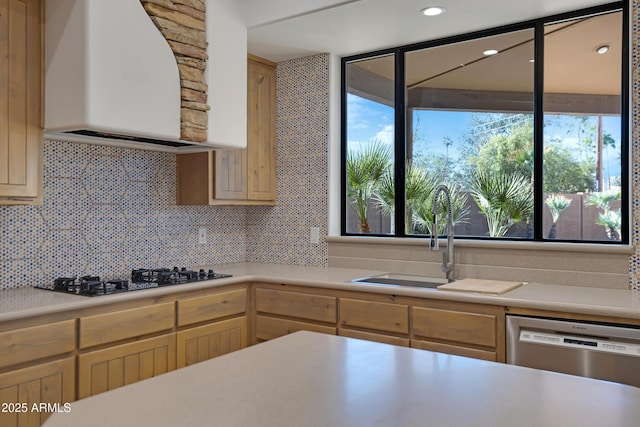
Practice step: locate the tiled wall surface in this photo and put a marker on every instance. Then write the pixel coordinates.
(634, 262)
(108, 210)
(281, 234)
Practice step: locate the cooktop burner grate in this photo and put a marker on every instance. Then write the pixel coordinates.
(140, 279)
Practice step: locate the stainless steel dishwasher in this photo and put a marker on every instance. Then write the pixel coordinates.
(602, 351)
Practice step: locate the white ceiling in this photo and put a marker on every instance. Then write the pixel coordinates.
(285, 29)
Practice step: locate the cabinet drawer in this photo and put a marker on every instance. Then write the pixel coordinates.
(36, 342)
(455, 350)
(380, 316)
(459, 326)
(210, 307)
(368, 336)
(268, 328)
(119, 325)
(295, 304)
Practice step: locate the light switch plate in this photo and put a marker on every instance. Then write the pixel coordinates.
(314, 235)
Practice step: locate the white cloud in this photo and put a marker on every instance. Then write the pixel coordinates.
(385, 135)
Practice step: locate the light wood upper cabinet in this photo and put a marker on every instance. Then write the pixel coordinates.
(261, 129)
(21, 83)
(239, 176)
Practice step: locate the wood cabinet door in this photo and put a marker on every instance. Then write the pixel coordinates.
(261, 130)
(230, 174)
(47, 383)
(20, 100)
(110, 368)
(209, 341)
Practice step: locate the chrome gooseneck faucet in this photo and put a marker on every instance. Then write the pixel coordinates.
(448, 257)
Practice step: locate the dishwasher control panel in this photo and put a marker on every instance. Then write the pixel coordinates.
(589, 343)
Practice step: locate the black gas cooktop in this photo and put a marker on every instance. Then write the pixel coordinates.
(143, 278)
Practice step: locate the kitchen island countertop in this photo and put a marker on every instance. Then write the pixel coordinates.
(310, 379)
(27, 302)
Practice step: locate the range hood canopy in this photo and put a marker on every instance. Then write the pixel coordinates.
(113, 79)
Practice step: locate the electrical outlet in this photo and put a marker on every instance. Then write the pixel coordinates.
(314, 235)
(202, 235)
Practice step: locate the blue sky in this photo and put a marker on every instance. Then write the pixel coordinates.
(368, 120)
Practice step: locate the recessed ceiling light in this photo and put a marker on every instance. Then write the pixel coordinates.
(490, 52)
(432, 11)
(601, 50)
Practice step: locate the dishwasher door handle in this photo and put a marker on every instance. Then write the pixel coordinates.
(577, 342)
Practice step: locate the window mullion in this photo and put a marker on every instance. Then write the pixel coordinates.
(399, 144)
(538, 132)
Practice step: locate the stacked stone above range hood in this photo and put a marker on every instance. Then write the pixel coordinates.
(183, 25)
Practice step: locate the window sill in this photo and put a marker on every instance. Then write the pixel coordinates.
(500, 244)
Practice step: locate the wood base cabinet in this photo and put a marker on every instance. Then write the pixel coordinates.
(104, 370)
(370, 336)
(281, 312)
(208, 341)
(268, 328)
(43, 385)
(375, 321)
(470, 330)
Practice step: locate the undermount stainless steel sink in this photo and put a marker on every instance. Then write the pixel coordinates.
(403, 280)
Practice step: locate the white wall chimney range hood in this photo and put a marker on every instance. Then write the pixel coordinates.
(112, 78)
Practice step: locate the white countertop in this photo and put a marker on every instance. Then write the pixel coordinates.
(309, 379)
(27, 302)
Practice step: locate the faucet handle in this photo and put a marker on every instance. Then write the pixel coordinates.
(433, 243)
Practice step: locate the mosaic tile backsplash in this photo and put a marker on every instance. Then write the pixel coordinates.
(281, 234)
(634, 260)
(107, 210)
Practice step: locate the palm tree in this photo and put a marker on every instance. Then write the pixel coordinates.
(365, 168)
(556, 204)
(503, 199)
(418, 185)
(385, 196)
(423, 209)
(612, 221)
(609, 219)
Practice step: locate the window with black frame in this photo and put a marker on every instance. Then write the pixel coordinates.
(524, 124)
